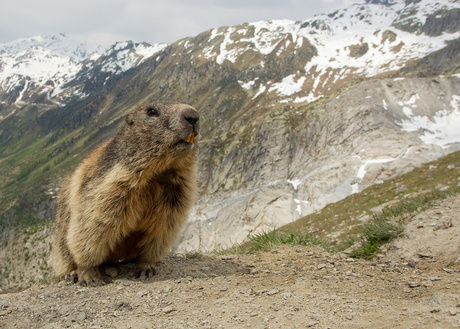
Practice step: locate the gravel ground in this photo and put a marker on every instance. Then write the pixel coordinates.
(414, 284)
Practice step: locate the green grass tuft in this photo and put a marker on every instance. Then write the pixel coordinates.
(388, 224)
(267, 241)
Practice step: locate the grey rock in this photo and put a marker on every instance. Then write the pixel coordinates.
(168, 309)
(81, 316)
(272, 292)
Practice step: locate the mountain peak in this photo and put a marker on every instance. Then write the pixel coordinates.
(382, 2)
(60, 45)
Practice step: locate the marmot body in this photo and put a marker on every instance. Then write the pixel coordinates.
(130, 197)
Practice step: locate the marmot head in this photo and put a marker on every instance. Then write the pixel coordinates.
(159, 129)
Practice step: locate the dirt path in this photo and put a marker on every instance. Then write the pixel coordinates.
(416, 284)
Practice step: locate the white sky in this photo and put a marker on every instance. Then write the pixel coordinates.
(157, 21)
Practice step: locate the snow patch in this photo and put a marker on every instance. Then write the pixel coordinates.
(362, 171)
(288, 86)
(295, 183)
(441, 129)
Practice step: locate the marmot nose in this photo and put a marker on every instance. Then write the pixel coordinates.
(191, 116)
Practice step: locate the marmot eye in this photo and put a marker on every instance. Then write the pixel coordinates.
(151, 112)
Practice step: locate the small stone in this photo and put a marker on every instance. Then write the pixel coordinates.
(125, 282)
(143, 293)
(409, 235)
(427, 284)
(312, 324)
(435, 310)
(273, 292)
(435, 278)
(168, 309)
(287, 294)
(254, 271)
(166, 289)
(321, 266)
(425, 254)
(224, 289)
(111, 271)
(414, 284)
(81, 316)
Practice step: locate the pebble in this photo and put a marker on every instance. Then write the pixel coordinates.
(312, 324)
(143, 293)
(452, 312)
(427, 284)
(321, 266)
(111, 271)
(414, 284)
(81, 316)
(425, 254)
(168, 309)
(167, 289)
(273, 292)
(254, 271)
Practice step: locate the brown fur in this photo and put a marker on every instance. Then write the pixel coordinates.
(130, 197)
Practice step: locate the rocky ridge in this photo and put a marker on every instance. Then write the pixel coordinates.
(299, 162)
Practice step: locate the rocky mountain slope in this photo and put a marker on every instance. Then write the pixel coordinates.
(295, 115)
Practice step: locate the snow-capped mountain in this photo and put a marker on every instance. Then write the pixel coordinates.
(365, 39)
(38, 66)
(295, 115)
(44, 63)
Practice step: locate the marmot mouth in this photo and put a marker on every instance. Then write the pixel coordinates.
(190, 137)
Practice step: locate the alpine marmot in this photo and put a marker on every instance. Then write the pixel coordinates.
(130, 197)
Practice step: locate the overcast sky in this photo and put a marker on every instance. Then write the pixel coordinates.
(157, 21)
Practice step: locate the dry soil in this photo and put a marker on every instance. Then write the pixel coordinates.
(415, 283)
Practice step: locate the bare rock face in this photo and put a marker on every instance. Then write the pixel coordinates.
(295, 163)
